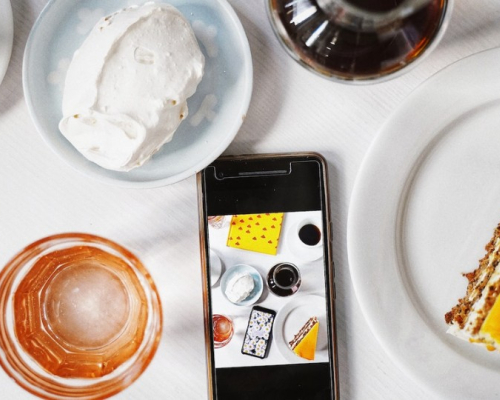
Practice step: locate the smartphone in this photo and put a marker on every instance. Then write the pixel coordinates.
(259, 332)
(266, 253)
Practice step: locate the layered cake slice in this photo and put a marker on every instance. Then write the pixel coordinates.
(476, 317)
(304, 342)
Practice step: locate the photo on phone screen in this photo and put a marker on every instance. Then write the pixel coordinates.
(269, 279)
(259, 332)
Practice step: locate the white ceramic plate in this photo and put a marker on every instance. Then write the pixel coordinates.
(292, 317)
(226, 86)
(6, 36)
(425, 204)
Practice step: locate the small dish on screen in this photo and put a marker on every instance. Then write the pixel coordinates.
(216, 110)
(215, 267)
(243, 269)
(291, 318)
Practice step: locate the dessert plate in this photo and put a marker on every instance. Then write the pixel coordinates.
(425, 203)
(292, 317)
(216, 110)
(6, 36)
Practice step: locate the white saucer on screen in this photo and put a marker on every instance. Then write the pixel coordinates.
(297, 247)
(215, 267)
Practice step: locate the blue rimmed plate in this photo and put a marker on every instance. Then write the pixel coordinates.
(241, 269)
(216, 110)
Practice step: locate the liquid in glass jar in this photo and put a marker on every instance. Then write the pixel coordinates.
(223, 330)
(80, 312)
(79, 317)
(354, 49)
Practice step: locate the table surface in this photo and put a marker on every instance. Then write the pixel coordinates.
(291, 110)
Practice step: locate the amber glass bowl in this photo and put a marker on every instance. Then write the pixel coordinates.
(80, 317)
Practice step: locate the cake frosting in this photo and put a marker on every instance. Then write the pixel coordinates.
(476, 317)
(127, 86)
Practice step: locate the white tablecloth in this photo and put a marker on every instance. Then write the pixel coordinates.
(291, 110)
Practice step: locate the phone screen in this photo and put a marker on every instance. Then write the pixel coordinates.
(259, 332)
(269, 294)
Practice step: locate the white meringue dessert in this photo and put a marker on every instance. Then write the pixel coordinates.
(127, 86)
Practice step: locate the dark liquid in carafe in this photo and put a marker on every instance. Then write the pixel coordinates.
(340, 51)
(376, 5)
(285, 278)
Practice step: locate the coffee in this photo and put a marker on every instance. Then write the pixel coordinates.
(285, 277)
(336, 50)
(310, 234)
(378, 6)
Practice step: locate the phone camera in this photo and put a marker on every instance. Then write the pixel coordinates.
(220, 175)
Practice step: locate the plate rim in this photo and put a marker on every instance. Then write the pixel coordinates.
(354, 226)
(6, 31)
(247, 72)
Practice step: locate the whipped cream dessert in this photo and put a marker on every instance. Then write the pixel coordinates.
(239, 287)
(127, 85)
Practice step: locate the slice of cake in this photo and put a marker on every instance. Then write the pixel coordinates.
(476, 317)
(304, 342)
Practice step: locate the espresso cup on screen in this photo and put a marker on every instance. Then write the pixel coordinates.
(309, 234)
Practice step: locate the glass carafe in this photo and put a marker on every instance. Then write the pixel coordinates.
(358, 41)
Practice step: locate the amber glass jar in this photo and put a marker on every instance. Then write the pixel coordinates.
(80, 317)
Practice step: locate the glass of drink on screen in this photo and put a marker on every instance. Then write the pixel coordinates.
(223, 330)
(216, 221)
(359, 41)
